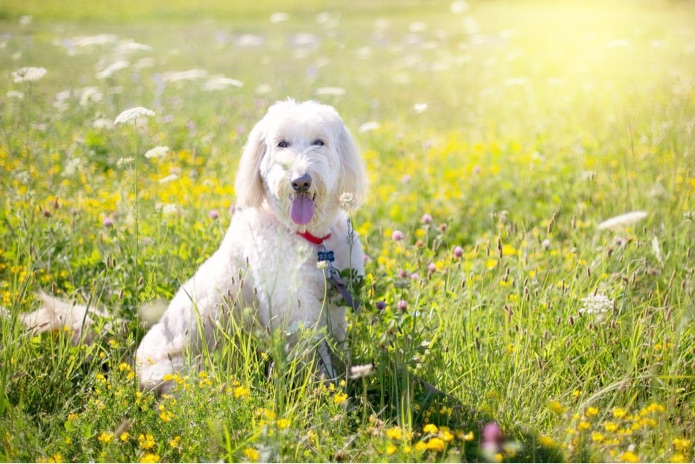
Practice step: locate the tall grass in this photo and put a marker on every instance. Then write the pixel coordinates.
(497, 139)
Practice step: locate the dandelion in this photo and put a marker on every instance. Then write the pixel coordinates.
(622, 221)
(133, 114)
(357, 372)
(28, 74)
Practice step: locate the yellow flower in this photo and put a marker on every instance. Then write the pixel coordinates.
(597, 437)
(576, 394)
(124, 436)
(282, 424)
(436, 444)
(146, 442)
(390, 449)
(446, 435)
(241, 392)
(629, 456)
(490, 264)
(681, 444)
(430, 428)
(340, 398)
(105, 437)
(556, 407)
(394, 432)
(591, 411)
(72, 416)
(174, 442)
(678, 458)
(619, 413)
(126, 367)
(546, 441)
(610, 426)
(420, 446)
(583, 425)
(251, 454)
(150, 457)
(470, 436)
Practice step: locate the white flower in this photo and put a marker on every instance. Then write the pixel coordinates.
(596, 304)
(458, 7)
(102, 123)
(28, 74)
(168, 178)
(111, 69)
(623, 220)
(191, 74)
(279, 17)
(220, 82)
(124, 162)
(348, 201)
(133, 113)
(368, 126)
(15, 94)
(420, 107)
(156, 152)
(357, 372)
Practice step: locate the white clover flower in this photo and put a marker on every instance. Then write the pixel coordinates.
(596, 304)
(133, 113)
(156, 152)
(623, 220)
(28, 74)
(357, 372)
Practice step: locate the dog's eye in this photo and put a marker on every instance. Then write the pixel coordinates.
(318, 143)
(283, 144)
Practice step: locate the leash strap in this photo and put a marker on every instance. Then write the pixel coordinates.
(334, 276)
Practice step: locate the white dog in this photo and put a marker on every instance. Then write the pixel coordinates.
(297, 164)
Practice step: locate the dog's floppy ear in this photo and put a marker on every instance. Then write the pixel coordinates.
(248, 184)
(353, 178)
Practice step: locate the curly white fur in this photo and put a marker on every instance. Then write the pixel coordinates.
(305, 143)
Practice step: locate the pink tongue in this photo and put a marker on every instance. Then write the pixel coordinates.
(302, 209)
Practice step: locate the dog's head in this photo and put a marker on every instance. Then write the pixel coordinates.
(300, 159)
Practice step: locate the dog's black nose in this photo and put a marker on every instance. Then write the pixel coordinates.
(302, 183)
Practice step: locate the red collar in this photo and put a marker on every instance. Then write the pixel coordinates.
(313, 238)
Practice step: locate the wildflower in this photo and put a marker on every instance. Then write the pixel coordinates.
(105, 437)
(395, 433)
(556, 407)
(583, 425)
(124, 367)
(610, 426)
(678, 458)
(357, 372)
(470, 436)
(282, 424)
(681, 444)
(72, 417)
(545, 244)
(107, 222)
(490, 264)
(458, 252)
(251, 454)
(397, 235)
(380, 305)
(546, 441)
(436, 444)
(174, 442)
(28, 74)
(596, 304)
(132, 114)
(591, 411)
(340, 398)
(426, 218)
(420, 446)
(431, 268)
(446, 435)
(124, 436)
(15, 94)
(597, 437)
(629, 456)
(146, 442)
(124, 162)
(150, 457)
(241, 392)
(402, 305)
(156, 152)
(391, 449)
(333, 91)
(619, 413)
(623, 220)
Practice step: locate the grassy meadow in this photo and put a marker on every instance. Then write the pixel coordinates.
(498, 137)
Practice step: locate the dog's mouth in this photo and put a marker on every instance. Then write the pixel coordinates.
(302, 208)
